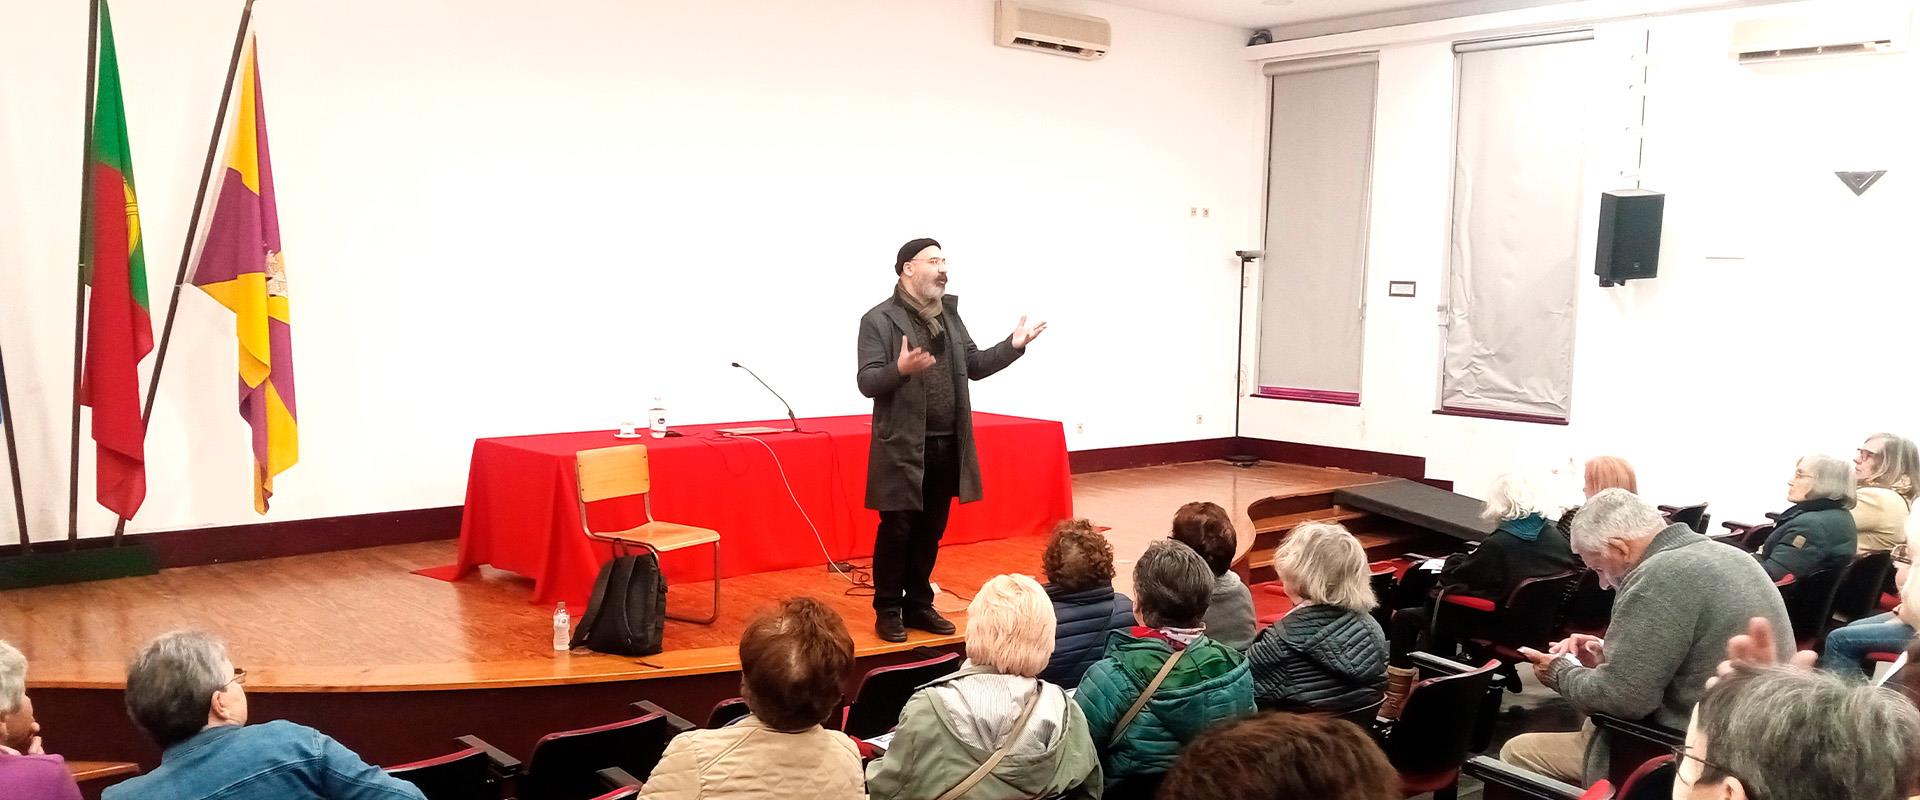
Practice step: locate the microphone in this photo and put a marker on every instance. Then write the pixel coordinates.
(776, 395)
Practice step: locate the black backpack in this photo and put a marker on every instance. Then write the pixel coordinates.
(628, 609)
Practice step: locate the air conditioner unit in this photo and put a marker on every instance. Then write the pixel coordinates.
(1854, 29)
(1023, 26)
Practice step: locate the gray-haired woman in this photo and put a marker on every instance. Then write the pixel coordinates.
(1817, 532)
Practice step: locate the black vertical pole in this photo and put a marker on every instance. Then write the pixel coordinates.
(80, 279)
(13, 461)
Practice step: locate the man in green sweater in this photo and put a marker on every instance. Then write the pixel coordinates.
(1680, 597)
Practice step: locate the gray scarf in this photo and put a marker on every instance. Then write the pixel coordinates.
(929, 311)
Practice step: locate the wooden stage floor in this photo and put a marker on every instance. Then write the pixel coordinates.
(358, 621)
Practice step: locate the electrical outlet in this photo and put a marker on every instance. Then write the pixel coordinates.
(1206, 212)
(1199, 419)
(1193, 211)
(1079, 427)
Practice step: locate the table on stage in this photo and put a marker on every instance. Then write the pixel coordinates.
(522, 510)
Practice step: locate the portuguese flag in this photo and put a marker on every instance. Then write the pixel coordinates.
(119, 331)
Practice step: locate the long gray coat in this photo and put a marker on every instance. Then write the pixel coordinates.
(898, 457)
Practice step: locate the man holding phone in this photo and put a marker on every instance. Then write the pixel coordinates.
(1680, 597)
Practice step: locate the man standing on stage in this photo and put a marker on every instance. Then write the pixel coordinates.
(915, 361)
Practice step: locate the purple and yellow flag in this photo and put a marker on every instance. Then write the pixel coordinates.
(241, 267)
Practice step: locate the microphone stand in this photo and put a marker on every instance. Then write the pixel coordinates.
(776, 395)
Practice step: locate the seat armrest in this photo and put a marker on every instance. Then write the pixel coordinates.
(617, 778)
(1533, 784)
(674, 721)
(1646, 732)
(501, 762)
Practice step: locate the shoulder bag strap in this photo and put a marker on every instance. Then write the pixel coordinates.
(1120, 728)
(1006, 746)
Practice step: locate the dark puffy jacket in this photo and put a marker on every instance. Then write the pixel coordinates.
(1809, 537)
(1082, 620)
(1320, 657)
(1505, 560)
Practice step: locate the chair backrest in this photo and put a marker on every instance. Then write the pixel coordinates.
(1436, 726)
(1652, 781)
(1532, 612)
(726, 711)
(565, 765)
(612, 472)
(460, 775)
(1756, 536)
(884, 692)
(1694, 516)
(1590, 610)
(1859, 593)
(1810, 602)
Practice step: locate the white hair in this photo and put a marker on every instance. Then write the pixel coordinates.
(13, 678)
(1832, 479)
(1512, 497)
(1614, 514)
(1322, 562)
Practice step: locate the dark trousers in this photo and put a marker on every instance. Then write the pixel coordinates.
(907, 542)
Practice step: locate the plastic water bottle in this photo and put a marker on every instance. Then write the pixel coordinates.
(658, 415)
(562, 637)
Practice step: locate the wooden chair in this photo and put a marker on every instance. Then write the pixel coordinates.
(612, 472)
(479, 771)
(884, 691)
(568, 765)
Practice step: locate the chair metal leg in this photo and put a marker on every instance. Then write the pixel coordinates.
(715, 615)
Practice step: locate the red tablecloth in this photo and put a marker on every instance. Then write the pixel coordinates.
(522, 510)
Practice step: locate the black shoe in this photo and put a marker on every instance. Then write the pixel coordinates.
(888, 624)
(928, 620)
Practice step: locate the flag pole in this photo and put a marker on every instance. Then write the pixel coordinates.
(80, 284)
(193, 227)
(13, 462)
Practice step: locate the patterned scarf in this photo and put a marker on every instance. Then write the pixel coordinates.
(929, 312)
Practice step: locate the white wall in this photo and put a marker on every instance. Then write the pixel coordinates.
(1782, 322)
(506, 218)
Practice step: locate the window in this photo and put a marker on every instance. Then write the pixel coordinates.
(1319, 159)
(1518, 184)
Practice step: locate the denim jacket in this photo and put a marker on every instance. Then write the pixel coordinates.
(273, 761)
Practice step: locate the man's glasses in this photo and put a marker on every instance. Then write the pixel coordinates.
(239, 677)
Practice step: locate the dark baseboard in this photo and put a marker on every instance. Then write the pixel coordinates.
(46, 566)
(298, 537)
(1150, 455)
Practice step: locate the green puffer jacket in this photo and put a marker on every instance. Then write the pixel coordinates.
(1210, 685)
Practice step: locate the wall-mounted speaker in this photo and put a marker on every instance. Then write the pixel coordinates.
(1629, 246)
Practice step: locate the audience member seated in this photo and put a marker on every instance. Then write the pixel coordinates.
(1886, 467)
(1277, 756)
(1523, 545)
(1848, 645)
(1781, 733)
(1327, 653)
(1601, 473)
(1079, 570)
(1816, 532)
(793, 662)
(183, 690)
(1166, 682)
(26, 771)
(993, 727)
(1681, 597)
(1208, 529)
